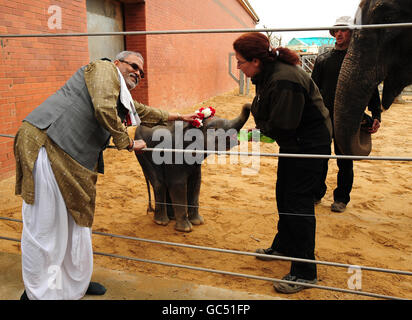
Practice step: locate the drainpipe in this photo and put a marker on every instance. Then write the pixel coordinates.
(246, 5)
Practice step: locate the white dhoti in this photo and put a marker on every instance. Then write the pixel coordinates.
(57, 254)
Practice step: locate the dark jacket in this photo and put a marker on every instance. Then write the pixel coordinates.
(325, 74)
(288, 107)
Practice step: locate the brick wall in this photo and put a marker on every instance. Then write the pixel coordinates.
(183, 70)
(33, 68)
(135, 20)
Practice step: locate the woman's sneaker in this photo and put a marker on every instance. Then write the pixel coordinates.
(269, 251)
(338, 206)
(292, 288)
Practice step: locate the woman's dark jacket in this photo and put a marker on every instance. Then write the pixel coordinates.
(288, 107)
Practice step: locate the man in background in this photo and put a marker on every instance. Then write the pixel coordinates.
(325, 74)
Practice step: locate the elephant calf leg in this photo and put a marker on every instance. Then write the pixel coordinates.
(194, 216)
(182, 221)
(183, 225)
(193, 191)
(178, 195)
(160, 213)
(160, 218)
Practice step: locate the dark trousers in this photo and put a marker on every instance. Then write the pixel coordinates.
(344, 179)
(297, 182)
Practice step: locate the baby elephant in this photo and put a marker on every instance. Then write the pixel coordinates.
(176, 176)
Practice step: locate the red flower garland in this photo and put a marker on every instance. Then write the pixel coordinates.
(203, 113)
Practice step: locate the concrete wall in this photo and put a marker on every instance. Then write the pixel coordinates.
(186, 69)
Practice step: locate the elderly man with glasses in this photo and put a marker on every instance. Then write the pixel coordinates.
(59, 153)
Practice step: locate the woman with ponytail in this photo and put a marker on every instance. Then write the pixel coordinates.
(289, 109)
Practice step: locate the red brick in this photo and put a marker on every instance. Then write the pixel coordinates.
(181, 70)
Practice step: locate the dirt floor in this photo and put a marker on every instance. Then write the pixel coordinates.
(239, 210)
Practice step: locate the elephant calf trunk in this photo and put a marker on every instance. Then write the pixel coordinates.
(238, 122)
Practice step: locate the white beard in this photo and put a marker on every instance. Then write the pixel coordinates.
(130, 83)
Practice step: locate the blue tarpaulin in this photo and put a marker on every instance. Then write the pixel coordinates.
(317, 41)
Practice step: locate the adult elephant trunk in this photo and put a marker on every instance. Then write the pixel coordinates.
(355, 87)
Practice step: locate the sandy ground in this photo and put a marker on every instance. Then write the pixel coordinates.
(240, 214)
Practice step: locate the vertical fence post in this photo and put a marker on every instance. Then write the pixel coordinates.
(241, 83)
(242, 80)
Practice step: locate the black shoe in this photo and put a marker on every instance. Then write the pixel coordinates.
(96, 289)
(338, 206)
(292, 288)
(24, 296)
(269, 251)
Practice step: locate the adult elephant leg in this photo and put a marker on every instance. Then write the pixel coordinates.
(178, 194)
(193, 191)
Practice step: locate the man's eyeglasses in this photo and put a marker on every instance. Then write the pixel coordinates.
(135, 67)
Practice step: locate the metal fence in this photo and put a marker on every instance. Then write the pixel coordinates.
(308, 65)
